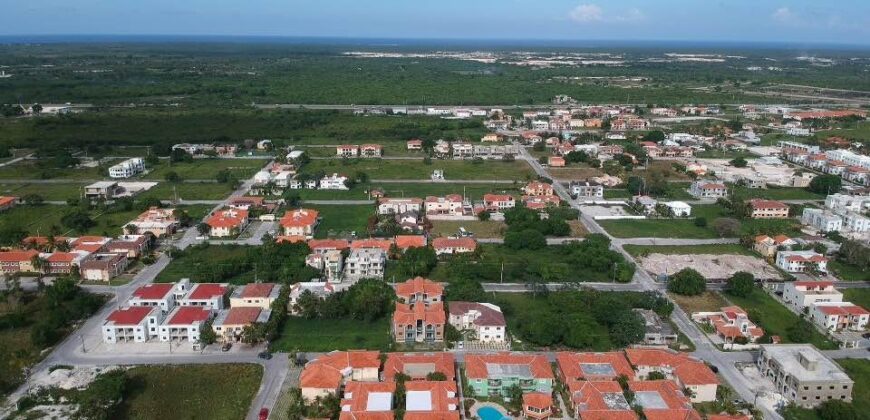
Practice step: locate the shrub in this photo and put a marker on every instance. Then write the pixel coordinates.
(687, 282)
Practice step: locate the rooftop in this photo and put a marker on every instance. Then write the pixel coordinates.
(789, 358)
(130, 316)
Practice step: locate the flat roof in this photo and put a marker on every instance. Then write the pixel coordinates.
(498, 370)
(650, 400)
(379, 401)
(418, 401)
(597, 369)
(789, 357)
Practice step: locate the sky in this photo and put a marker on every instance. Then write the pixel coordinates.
(794, 21)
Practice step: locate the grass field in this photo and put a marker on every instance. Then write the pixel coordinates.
(612, 193)
(419, 190)
(776, 318)
(848, 272)
(487, 229)
(640, 250)
(338, 219)
(706, 302)
(41, 219)
(575, 173)
(189, 265)
(188, 191)
(28, 169)
(777, 193)
(413, 169)
(207, 391)
(322, 335)
(207, 168)
(50, 192)
(857, 296)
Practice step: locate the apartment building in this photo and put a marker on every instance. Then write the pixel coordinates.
(18, 261)
(708, 189)
(227, 222)
(258, 295)
(493, 374)
(161, 295)
(365, 263)
(156, 221)
(803, 375)
(485, 320)
(450, 246)
(536, 188)
(822, 220)
(229, 325)
(300, 223)
(731, 324)
(687, 371)
(767, 209)
(418, 366)
(103, 266)
(134, 324)
(326, 374)
(839, 316)
(498, 202)
(127, 168)
(801, 261)
(767, 246)
(803, 294)
(184, 323)
(207, 295)
(449, 205)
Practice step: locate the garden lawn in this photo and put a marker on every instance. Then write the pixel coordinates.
(187, 191)
(487, 229)
(610, 193)
(414, 169)
(776, 318)
(777, 193)
(848, 272)
(656, 228)
(322, 335)
(207, 168)
(642, 250)
(49, 192)
(203, 391)
(337, 219)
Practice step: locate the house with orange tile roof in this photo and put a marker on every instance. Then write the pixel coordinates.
(599, 400)
(662, 400)
(184, 323)
(767, 246)
(419, 289)
(538, 405)
(131, 245)
(327, 373)
(450, 246)
(229, 324)
(208, 295)
(593, 366)
(155, 221)
(320, 246)
(300, 222)
(19, 261)
(59, 262)
(414, 144)
(498, 202)
(839, 316)
(493, 373)
(258, 295)
(537, 188)
(449, 205)
(347, 151)
(418, 366)
(731, 324)
(403, 242)
(371, 150)
(367, 398)
(726, 416)
(428, 400)
(103, 266)
(541, 202)
(555, 161)
(767, 209)
(419, 317)
(687, 371)
(7, 202)
(227, 222)
(379, 243)
(708, 189)
(803, 294)
(136, 324)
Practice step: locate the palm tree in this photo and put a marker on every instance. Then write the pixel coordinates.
(38, 263)
(131, 229)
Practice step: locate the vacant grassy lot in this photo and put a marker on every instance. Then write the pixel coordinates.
(419, 190)
(656, 228)
(413, 169)
(575, 173)
(612, 193)
(487, 229)
(857, 296)
(848, 272)
(321, 335)
(34, 219)
(390, 148)
(706, 302)
(642, 250)
(777, 193)
(188, 191)
(50, 192)
(28, 169)
(191, 391)
(338, 219)
(775, 318)
(207, 168)
(190, 264)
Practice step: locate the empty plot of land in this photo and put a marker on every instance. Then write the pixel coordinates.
(575, 173)
(480, 229)
(412, 169)
(709, 265)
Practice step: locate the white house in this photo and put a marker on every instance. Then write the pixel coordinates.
(708, 189)
(399, 205)
(207, 295)
(136, 324)
(678, 208)
(184, 323)
(365, 263)
(800, 261)
(154, 294)
(127, 168)
(822, 220)
(645, 202)
(319, 289)
(484, 319)
(333, 182)
(839, 316)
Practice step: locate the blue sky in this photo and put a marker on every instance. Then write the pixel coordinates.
(840, 21)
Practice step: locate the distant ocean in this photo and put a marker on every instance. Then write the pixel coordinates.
(425, 43)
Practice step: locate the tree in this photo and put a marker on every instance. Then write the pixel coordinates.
(738, 162)
(36, 109)
(172, 176)
(800, 332)
(78, 220)
(484, 216)
(296, 410)
(687, 282)
(740, 284)
(526, 239)
(254, 333)
(514, 398)
(180, 155)
(32, 199)
(307, 305)
(726, 226)
(465, 289)
(436, 376)
(418, 261)
(11, 235)
(837, 410)
(203, 228)
(206, 334)
(654, 136)
(635, 185)
(223, 176)
(626, 327)
(700, 222)
(655, 376)
(825, 184)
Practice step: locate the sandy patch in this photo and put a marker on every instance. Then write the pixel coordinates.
(710, 266)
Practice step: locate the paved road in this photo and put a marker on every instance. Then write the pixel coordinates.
(14, 161)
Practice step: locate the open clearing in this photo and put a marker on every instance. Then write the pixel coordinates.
(207, 168)
(711, 266)
(340, 220)
(775, 318)
(322, 335)
(215, 391)
(644, 250)
(412, 169)
(487, 229)
(705, 302)
(408, 189)
(188, 191)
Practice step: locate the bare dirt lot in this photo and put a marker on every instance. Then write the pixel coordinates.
(712, 267)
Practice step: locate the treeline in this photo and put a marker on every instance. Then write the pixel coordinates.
(588, 320)
(368, 300)
(271, 262)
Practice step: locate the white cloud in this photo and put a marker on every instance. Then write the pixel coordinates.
(589, 12)
(784, 15)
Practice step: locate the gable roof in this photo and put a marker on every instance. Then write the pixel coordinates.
(299, 218)
(688, 370)
(130, 316)
(257, 290)
(419, 285)
(206, 291)
(488, 316)
(410, 241)
(327, 371)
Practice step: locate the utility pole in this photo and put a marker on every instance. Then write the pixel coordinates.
(82, 338)
(501, 276)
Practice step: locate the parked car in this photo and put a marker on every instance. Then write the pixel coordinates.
(226, 346)
(264, 414)
(264, 355)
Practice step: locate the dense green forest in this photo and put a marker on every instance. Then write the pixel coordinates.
(235, 75)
